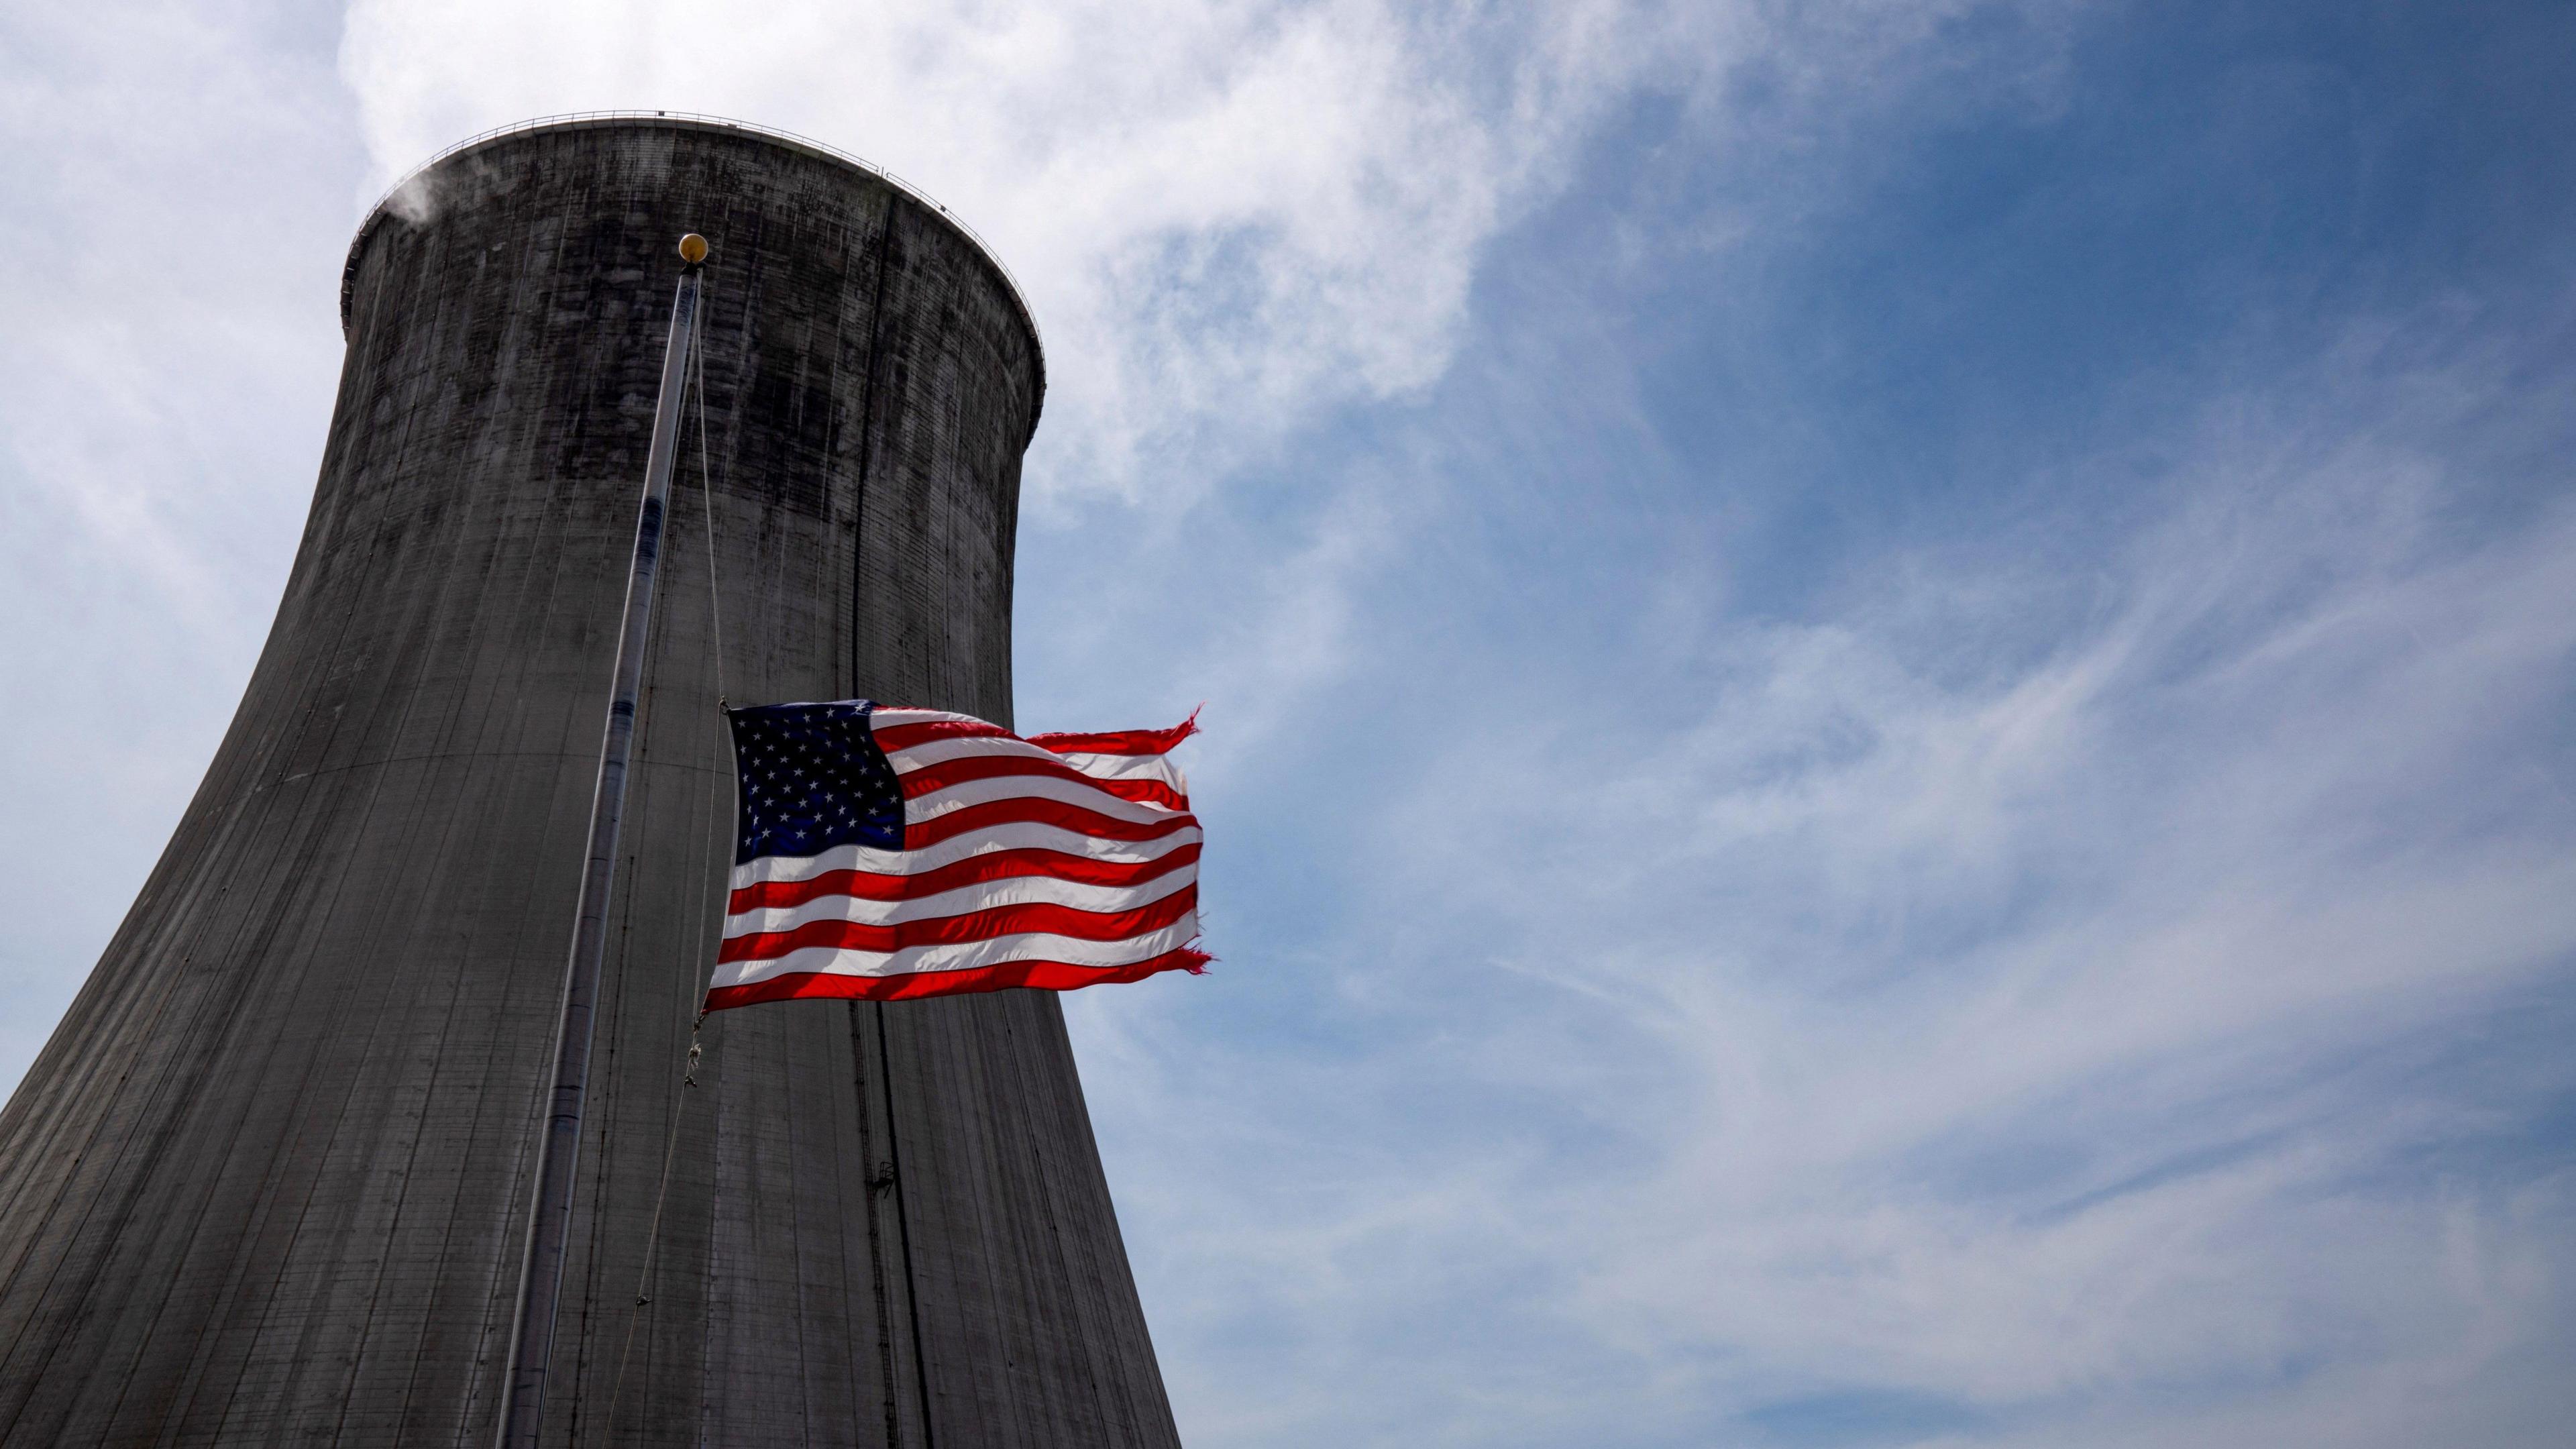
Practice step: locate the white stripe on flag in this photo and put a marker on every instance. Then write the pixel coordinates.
(1039, 946)
(965, 900)
(1013, 835)
(1031, 787)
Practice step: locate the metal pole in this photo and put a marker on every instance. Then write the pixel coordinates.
(532, 1327)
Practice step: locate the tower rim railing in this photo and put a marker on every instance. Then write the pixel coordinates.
(703, 121)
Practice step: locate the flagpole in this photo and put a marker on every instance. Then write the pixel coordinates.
(532, 1326)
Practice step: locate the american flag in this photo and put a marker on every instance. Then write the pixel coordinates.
(887, 853)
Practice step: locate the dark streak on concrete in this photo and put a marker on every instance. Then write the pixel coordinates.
(267, 1181)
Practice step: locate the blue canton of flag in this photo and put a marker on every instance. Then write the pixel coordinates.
(812, 778)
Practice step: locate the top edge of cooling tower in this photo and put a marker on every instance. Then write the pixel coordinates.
(720, 125)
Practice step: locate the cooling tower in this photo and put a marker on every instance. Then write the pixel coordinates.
(268, 1181)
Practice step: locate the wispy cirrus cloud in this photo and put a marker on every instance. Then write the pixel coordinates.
(2061, 985)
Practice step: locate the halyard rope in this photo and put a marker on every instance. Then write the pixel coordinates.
(653, 1234)
(689, 1077)
(707, 496)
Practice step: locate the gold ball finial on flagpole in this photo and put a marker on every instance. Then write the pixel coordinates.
(693, 249)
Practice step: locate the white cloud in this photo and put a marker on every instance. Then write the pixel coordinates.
(173, 211)
(1228, 216)
(2018, 984)
(2244, 817)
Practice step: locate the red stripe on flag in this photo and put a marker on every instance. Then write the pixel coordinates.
(930, 779)
(1030, 918)
(973, 870)
(1120, 742)
(1044, 975)
(1037, 810)
(891, 738)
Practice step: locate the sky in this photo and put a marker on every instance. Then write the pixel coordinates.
(1888, 686)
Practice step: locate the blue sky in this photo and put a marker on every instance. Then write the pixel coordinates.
(1887, 685)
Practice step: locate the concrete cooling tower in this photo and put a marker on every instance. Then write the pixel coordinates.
(269, 1180)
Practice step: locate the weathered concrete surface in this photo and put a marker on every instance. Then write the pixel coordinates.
(267, 1182)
